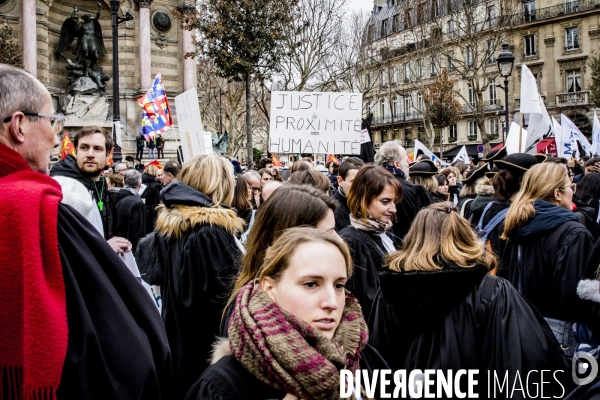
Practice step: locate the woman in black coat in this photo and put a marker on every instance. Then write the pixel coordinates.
(439, 309)
(203, 259)
(547, 248)
(151, 193)
(587, 201)
(371, 200)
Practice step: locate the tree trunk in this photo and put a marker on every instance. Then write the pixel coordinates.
(249, 123)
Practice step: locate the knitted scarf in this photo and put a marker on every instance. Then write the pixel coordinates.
(33, 316)
(287, 353)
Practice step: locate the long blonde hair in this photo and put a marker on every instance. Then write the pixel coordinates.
(440, 234)
(540, 182)
(428, 182)
(211, 175)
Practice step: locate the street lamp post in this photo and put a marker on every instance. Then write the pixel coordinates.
(114, 8)
(506, 61)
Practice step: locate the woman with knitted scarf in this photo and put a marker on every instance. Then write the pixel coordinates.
(293, 328)
(371, 200)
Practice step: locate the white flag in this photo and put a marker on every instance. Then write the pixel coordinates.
(570, 135)
(424, 150)
(512, 139)
(463, 156)
(595, 136)
(540, 124)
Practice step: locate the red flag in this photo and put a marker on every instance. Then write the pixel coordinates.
(155, 162)
(332, 158)
(109, 159)
(276, 162)
(67, 146)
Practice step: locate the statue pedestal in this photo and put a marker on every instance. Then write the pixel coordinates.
(83, 110)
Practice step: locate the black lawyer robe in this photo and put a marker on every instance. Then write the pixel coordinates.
(342, 212)
(117, 345)
(443, 320)
(132, 216)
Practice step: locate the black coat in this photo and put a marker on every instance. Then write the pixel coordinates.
(414, 198)
(68, 167)
(368, 257)
(554, 253)
(132, 216)
(151, 196)
(461, 318)
(228, 380)
(203, 259)
(462, 201)
(587, 216)
(117, 345)
(342, 213)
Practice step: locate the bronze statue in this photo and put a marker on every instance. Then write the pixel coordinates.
(90, 46)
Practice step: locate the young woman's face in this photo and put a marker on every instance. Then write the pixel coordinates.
(443, 188)
(267, 177)
(382, 207)
(312, 286)
(565, 199)
(451, 179)
(465, 172)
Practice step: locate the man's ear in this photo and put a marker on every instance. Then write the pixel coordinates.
(15, 128)
(268, 284)
(339, 179)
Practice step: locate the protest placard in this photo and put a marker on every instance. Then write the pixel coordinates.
(315, 122)
(189, 121)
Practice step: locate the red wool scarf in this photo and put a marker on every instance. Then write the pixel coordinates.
(33, 316)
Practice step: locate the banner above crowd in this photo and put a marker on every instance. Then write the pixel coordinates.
(315, 122)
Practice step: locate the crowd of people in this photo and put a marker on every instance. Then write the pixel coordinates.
(270, 287)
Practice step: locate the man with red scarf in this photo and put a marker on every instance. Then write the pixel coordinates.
(75, 322)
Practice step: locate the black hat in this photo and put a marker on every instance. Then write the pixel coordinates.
(495, 155)
(517, 163)
(128, 158)
(474, 174)
(492, 173)
(541, 157)
(423, 168)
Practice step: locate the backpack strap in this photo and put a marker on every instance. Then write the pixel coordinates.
(493, 223)
(462, 209)
(479, 225)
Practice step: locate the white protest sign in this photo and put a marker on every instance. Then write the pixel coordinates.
(364, 136)
(190, 124)
(315, 122)
(208, 143)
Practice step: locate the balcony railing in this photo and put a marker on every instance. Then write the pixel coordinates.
(488, 105)
(397, 118)
(572, 98)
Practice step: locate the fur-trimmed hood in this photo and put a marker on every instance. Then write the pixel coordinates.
(588, 289)
(184, 208)
(483, 188)
(220, 349)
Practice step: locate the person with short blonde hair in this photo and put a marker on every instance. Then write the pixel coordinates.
(547, 249)
(197, 223)
(441, 308)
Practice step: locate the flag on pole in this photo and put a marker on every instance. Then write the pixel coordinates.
(570, 136)
(463, 156)
(427, 152)
(67, 146)
(276, 162)
(154, 162)
(156, 115)
(332, 158)
(540, 124)
(109, 159)
(595, 136)
(512, 139)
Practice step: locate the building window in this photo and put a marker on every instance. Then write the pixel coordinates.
(491, 16)
(573, 80)
(469, 57)
(492, 92)
(396, 106)
(571, 6)
(494, 128)
(419, 102)
(453, 132)
(368, 78)
(384, 28)
(407, 104)
(529, 10)
(529, 45)
(396, 23)
(470, 94)
(472, 130)
(406, 72)
(420, 14)
(451, 29)
(491, 52)
(407, 21)
(382, 108)
(419, 68)
(434, 9)
(449, 62)
(571, 38)
(434, 67)
(393, 75)
(370, 33)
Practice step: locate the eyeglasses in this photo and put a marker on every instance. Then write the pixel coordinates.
(56, 120)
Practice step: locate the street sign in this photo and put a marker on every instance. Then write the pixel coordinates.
(480, 154)
(480, 148)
